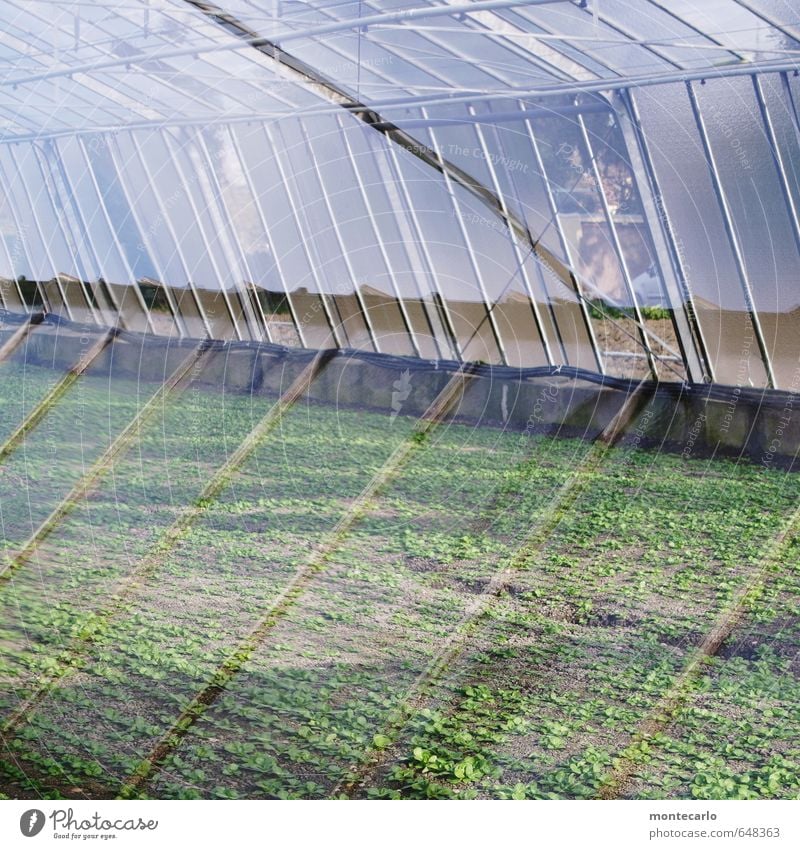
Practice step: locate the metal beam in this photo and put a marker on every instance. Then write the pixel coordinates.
(492, 117)
(585, 86)
(464, 96)
(226, 120)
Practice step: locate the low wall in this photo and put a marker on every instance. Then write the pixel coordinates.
(760, 425)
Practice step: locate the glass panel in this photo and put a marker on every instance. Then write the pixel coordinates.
(742, 31)
(518, 172)
(103, 302)
(237, 225)
(782, 13)
(356, 231)
(213, 273)
(252, 254)
(589, 239)
(34, 173)
(178, 214)
(8, 234)
(96, 234)
(98, 150)
(12, 300)
(24, 241)
(781, 110)
(320, 231)
(422, 58)
(291, 270)
(186, 303)
(618, 184)
(441, 226)
(669, 36)
(274, 307)
(703, 245)
(53, 299)
(605, 44)
(749, 177)
(78, 297)
(157, 302)
(521, 184)
(401, 242)
(215, 308)
(503, 274)
(128, 307)
(158, 247)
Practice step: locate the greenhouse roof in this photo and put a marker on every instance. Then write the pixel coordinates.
(543, 183)
(83, 70)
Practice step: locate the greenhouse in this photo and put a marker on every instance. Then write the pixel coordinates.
(400, 399)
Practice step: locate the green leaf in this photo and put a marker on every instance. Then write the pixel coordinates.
(381, 741)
